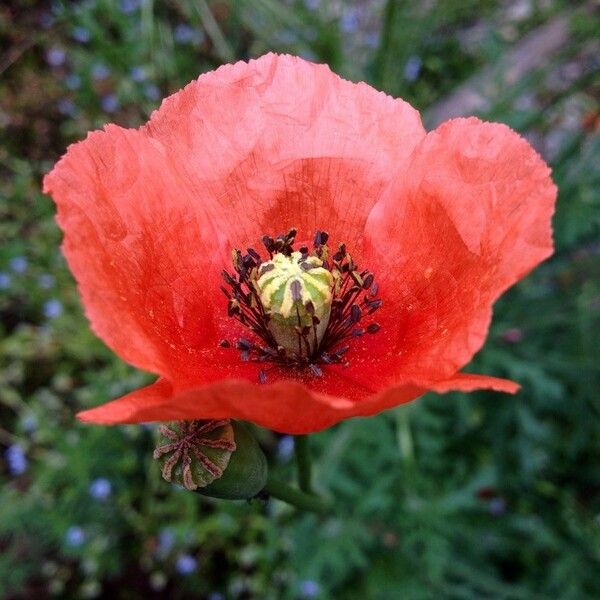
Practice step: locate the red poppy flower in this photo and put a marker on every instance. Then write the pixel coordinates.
(433, 227)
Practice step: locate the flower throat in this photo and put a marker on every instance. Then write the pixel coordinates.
(303, 305)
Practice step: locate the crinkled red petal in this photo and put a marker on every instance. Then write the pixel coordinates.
(285, 406)
(471, 219)
(150, 216)
(446, 222)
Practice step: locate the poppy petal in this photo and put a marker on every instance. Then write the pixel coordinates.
(472, 219)
(126, 219)
(274, 406)
(150, 215)
(281, 142)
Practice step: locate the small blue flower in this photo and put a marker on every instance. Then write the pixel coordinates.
(166, 541)
(100, 489)
(5, 280)
(138, 73)
(19, 264)
(285, 448)
(29, 423)
(57, 8)
(16, 459)
(309, 588)
(53, 309)
(56, 56)
(73, 81)
(100, 71)
(184, 34)
(109, 103)
(66, 106)
(186, 564)
(129, 6)
(81, 34)
(75, 536)
(46, 20)
(216, 596)
(349, 22)
(412, 68)
(372, 39)
(497, 507)
(46, 281)
(151, 91)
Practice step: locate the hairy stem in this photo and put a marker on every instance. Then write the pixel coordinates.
(301, 500)
(303, 463)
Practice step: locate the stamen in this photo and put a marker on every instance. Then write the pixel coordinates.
(281, 301)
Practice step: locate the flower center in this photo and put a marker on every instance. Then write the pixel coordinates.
(302, 306)
(296, 290)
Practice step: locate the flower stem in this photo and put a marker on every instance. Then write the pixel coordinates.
(301, 500)
(302, 452)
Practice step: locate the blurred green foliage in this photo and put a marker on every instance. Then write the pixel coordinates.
(457, 496)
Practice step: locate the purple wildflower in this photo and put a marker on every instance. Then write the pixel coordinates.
(16, 460)
(55, 56)
(100, 489)
(186, 564)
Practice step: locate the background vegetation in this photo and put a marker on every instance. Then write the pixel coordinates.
(457, 496)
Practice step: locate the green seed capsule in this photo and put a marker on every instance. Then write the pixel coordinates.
(246, 474)
(214, 458)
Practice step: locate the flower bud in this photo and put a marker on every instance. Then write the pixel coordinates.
(296, 290)
(246, 474)
(216, 458)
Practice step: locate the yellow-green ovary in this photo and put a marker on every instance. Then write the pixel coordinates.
(286, 284)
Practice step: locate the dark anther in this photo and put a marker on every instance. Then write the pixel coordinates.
(373, 306)
(321, 238)
(238, 260)
(269, 243)
(358, 332)
(368, 281)
(356, 278)
(229, 280)
(340, 254)
(373, 328)
(224, 344)
(248, 262)
(262, 376)
(355, 313)
(254, 254)
(233, 307)
(315, 370)
(244, 344)
(374, 289)
(310, 307)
